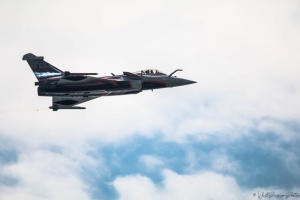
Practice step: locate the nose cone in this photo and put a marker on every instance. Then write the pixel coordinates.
(187, 82)
(180, 81)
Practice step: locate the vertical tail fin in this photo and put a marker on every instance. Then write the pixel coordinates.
(41, 69)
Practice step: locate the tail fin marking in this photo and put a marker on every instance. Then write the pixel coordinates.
(41, 69)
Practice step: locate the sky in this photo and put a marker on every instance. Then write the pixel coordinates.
(233, 135)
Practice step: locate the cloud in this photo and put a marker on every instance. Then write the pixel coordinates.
(47, 171)
(223, 163)
(239, 121)
(245, 66)
(203, 185)
(151, 162)
(42, 175)
(257, 161)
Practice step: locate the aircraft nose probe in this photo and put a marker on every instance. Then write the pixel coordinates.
(174, 81)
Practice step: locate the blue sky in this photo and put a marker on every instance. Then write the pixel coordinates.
(234, 133)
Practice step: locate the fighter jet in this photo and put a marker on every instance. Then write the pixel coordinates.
(70, 89)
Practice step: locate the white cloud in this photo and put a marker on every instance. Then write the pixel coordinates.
(272, 126)
(135, 187)
(42, 174)
(221, 163)
(202, 185)
(151, 162)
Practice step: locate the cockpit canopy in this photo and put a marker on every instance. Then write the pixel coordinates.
(149, 72)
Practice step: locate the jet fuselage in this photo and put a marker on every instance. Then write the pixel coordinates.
(69, 89)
